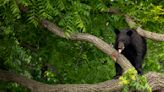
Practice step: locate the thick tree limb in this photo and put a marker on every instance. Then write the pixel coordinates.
(142, 32)
(100, 44)
(155, 80)
(150, 35)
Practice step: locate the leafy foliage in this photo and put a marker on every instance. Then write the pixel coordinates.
(133, 82)
(26, 47)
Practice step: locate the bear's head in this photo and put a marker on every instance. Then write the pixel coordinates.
(123, 39)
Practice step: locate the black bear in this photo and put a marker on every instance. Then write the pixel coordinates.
(132, 46)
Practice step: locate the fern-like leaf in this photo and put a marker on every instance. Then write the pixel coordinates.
(60, 4)
(15, 9)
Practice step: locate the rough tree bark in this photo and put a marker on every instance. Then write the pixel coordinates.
(155, 80)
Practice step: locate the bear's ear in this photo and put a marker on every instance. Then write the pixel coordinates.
(116, 31)
(130, 32)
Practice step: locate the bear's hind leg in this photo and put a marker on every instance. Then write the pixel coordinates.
(138, 64)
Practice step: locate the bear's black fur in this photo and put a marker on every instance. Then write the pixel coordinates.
(133, 47)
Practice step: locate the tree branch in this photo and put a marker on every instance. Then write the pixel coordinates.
(155, 80)
(100, 44)
(142, 32)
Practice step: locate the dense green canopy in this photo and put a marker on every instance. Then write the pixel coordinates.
(29, 49)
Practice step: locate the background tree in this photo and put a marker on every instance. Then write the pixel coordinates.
(28, 49)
